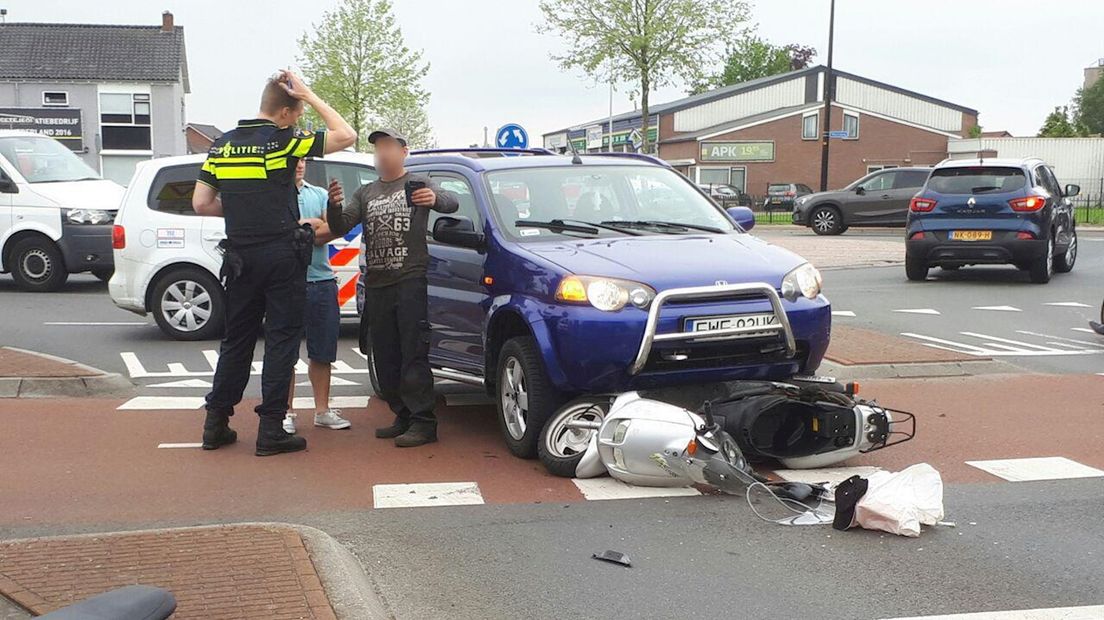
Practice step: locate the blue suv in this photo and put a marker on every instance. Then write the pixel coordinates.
(992, 211)
(569, 275)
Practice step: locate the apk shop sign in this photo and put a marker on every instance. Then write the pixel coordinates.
(735, 151)
(63, 125)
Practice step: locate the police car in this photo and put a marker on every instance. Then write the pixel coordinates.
(166, 257)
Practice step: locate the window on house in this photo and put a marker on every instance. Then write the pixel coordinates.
(125, 121)
(851, 125)
(52, 98)
(809, 127)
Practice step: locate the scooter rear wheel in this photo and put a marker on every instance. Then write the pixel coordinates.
(561, 448)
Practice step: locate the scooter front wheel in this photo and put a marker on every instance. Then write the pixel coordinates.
(567, 434)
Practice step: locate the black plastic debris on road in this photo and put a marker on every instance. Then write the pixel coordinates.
(615, 557)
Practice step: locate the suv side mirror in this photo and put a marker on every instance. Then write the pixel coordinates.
(744, 216)
(7, 185)
(1072, 190)
(457, 231)
(859, 190)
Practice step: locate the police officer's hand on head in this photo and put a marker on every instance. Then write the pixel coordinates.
(294, 85)
(337, 195)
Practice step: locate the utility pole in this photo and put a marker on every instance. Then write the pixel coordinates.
(486, 144)
(829, 92)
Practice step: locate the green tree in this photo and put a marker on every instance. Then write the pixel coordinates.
(648, 43)
(410, 120)
(749, 57)
(1088, 108)
(1058, 125)
(356, 60)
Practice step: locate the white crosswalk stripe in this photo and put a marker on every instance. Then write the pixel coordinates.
(986, 345)
(1092, 612)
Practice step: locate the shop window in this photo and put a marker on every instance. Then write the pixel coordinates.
(810, 126)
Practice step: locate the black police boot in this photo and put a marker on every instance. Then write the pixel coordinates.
(273, 439)
(217, 431)
(419, 434)
(397, 428)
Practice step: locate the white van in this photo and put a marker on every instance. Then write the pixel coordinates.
(166, 257)
(55, 213)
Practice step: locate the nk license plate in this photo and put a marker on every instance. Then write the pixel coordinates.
(776, 201)
(971, 235)
(737, 321)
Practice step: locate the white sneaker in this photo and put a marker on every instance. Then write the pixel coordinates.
(331, 419)
(289, 423)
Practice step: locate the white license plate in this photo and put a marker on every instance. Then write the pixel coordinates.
(736, 321)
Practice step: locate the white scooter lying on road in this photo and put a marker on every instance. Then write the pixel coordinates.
(642, 440)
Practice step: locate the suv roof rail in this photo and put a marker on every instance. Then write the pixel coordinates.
(627, 155)
(484, 151)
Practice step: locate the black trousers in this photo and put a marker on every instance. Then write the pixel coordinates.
(398, 321)
(270, 292)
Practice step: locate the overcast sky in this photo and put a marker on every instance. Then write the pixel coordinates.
(1013, 60)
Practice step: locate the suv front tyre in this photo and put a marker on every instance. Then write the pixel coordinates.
(826, 221)
(525, 397)
(189, 304)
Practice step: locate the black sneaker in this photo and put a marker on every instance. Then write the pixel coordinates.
(217, 431)
(417, 435)
(273, 439)
(390, 432)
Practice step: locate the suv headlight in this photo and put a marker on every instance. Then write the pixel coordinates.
(802, 200)
(804, 281)
(606, 294)
(89, 216)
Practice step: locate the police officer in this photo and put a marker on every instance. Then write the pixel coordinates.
(249, 179)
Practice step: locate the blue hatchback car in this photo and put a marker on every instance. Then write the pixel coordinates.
(561, 276)
(992, 211)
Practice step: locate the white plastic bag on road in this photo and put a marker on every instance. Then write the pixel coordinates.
(900, 502)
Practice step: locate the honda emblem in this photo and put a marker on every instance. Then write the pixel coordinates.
(722, 282)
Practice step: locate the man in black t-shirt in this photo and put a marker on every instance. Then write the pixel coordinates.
(249, 180)
(395, 296)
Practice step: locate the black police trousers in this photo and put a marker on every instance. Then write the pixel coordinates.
(270, 292)
(398, 322)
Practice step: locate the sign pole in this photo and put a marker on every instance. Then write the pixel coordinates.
(829, 90)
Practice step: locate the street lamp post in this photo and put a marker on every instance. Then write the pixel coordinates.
(829, 92)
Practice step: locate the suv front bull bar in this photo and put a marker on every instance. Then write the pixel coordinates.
(705, 293)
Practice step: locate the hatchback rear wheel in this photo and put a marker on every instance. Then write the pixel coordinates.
(1042, 268)
(1063, 263)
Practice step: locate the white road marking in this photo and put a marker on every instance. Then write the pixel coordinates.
(95, 323)
(337, 402)
(426, 494)
(136, 370)
(1006, 340)
(1040, 468)
(1066, 346)
(1082, 329)
(334, 381)
(843, 313)
(998, 308)
(931, 311)
(1091, 344)
(958, 346)
(1067, 304)
(179, 445)
(612, 488)
(162, 403)
(1092, 612)
(831, 475)
(183, 383)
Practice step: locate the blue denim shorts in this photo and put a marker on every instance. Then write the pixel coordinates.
(322, 321)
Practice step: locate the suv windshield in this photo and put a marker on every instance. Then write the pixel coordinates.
(627, 199)
(44, 160)
(976, 180)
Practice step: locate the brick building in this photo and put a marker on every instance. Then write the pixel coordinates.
(769, 130)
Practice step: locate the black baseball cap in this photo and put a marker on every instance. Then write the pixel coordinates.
(386, 133)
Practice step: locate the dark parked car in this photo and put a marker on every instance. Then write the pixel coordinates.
(992, 211)
(781, 196)
(880, 198)
(726, 195)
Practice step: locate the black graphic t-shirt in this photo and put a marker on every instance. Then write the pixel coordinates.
(394, 230)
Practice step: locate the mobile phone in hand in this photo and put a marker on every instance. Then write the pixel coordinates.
(411, 187)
